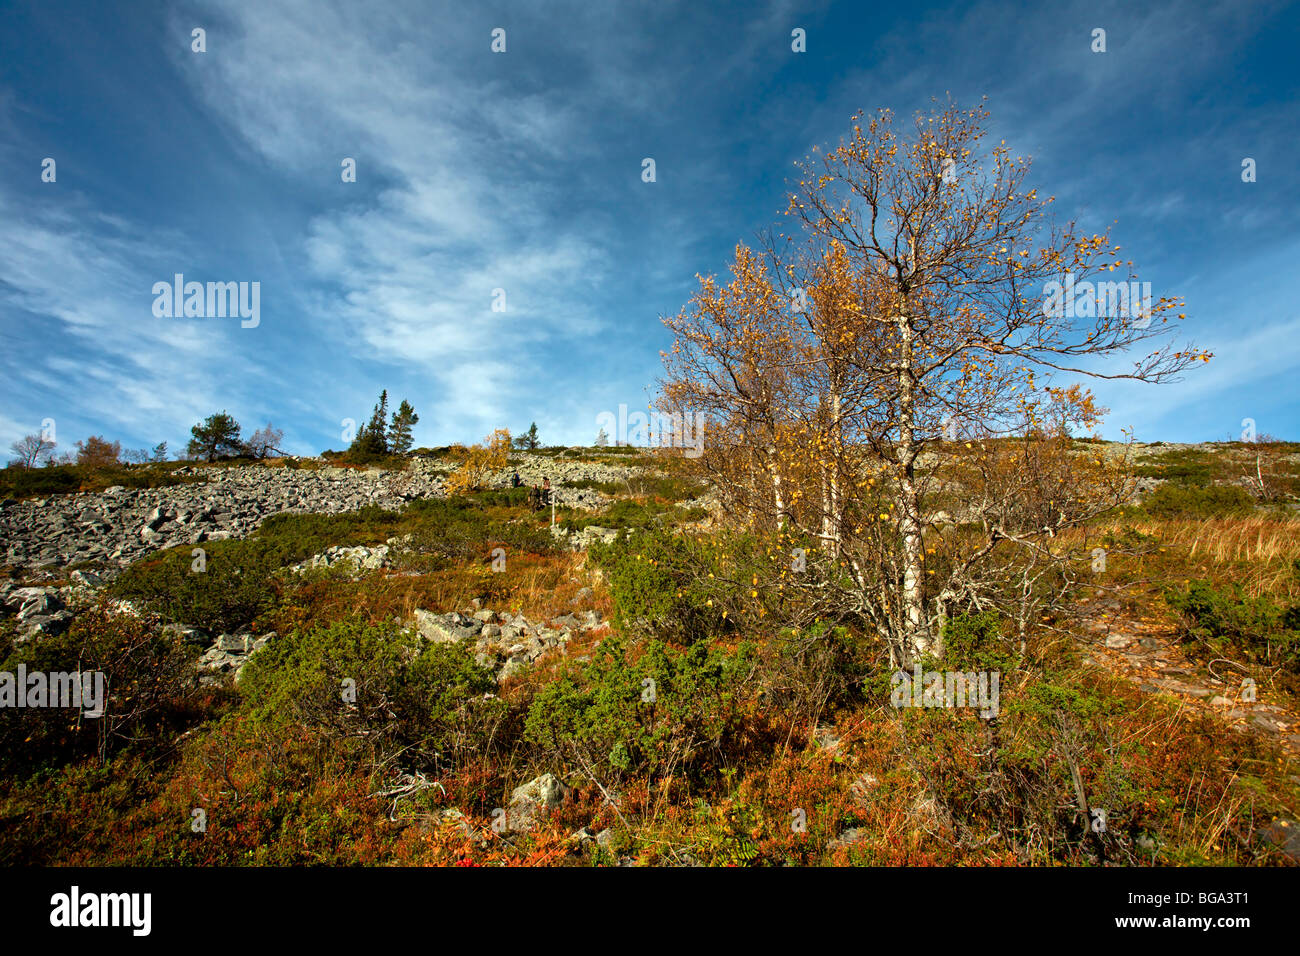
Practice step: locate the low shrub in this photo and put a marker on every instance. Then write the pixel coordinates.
(148, 687)
(234, 587)
(67, 479)
(671, 488)
(656, 712)
(460, 528)
(1183, 501)
(659, 582)
(975, 642)
(1228, 623)
(625, 513)
(236, 581)
(383, 688)
(812, 673)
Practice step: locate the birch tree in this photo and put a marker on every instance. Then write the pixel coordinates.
(945, 325)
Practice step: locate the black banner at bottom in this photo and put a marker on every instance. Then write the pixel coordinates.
(338, 905)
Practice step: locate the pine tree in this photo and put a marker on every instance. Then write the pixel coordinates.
(528, 440)
(377, 430)
(372, 438)
(218, 435)
(399, 432)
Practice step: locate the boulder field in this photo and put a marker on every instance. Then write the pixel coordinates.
(119, 525)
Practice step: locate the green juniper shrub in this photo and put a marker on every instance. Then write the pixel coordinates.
(604, 487)
(1058, 720)
(1226, 622)
(301, 535)
(508, 497)
(659, 584)
(234, 587)
(67, 479)
(629, 514)
(1184, 469)
(644, 714)
(234, 581)
(670, 488)
(972, 642)
(447, 529)
(31, 482)
(1011, 773)
(381, 687)
(975, 642)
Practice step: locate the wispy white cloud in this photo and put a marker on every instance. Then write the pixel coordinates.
(520, 171)
(407, 272)
(83, 284)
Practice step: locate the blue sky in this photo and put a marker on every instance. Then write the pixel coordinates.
(522, 171)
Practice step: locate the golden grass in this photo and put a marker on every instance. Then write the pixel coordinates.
(1255, 539)
(537, 586)
(1255, 551)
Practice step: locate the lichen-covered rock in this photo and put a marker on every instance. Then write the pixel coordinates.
(444, 628)
(544, 792)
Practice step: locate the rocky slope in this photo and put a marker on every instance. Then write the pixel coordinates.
(119, 525)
